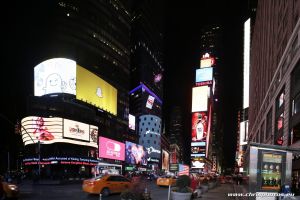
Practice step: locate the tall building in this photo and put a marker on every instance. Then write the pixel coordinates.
(176, 132)
(146, 94)
(211, 40)
(77, 55)
(206, 154)
(274, 77)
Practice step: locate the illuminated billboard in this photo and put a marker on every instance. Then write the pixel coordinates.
(150, 102)
(200, 98)
(243, 132)
(165, 160)
(135, 154)
(196, 150)
(94, 90)
(247, 40)
(204, 75)
(199, 126)
(57, 75)
(207, 62)
(197, 164)
(196, 144)
(76, 130)
(111, 149)
(131, 122)
(150, 132)
(52, 130)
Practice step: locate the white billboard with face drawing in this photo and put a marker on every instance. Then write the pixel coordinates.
(57, 75)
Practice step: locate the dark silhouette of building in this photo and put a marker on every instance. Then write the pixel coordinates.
(147, 71)
(176, 134)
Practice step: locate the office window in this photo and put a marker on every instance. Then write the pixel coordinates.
(269, 124)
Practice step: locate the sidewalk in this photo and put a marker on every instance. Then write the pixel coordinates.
(219, 192)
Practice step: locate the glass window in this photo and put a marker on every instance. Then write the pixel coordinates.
(280, 99)
(269, 124)
(296, 105)
(280, 122)
(262, 132)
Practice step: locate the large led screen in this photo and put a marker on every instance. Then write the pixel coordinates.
(111, 149)
(76, 130)
(135, 154)
(243, 132)
(197, 164)
(200, 98)
(94, 90)
(150, 101)
(57, 75)
(165, 160)
(207, 62)
(131, 122)
(199, 126)
(205, 74)
(51, 130)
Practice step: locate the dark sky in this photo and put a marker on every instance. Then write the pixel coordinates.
(184, 20)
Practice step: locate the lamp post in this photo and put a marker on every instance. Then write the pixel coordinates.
(39, 154)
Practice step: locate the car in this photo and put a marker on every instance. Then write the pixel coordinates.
(10, 190)
(166, 181)
(106, 184)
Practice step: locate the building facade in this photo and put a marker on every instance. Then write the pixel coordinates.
(91, 41)
(146, 83)
(274, 88)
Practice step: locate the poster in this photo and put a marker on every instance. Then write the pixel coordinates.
(271, 171)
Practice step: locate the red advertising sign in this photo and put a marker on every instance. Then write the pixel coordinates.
(199, 126)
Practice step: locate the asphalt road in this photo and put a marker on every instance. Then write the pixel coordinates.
(29, 191)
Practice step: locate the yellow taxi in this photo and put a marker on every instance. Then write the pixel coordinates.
(10, 190)
(166, 181)
(106, 184)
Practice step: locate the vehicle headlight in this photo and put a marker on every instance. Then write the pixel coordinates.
(12, 187)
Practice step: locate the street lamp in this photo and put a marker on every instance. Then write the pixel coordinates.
(39, 156)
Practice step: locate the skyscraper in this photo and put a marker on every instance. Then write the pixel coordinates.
(146, 95)
(176, 133)
(91, 41)
(206, 153)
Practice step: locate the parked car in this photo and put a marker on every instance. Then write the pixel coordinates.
(106, 184)
(9, 190)
(166, 181)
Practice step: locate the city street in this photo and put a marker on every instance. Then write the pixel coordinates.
(74, 192)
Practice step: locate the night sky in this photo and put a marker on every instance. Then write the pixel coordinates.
(183, 24)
